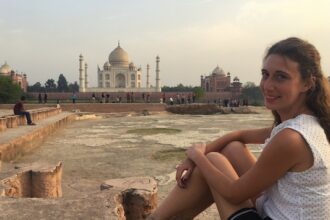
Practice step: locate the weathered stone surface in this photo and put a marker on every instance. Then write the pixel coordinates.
(137, 197)
(39, 181)
(18, 185)
(16, 145)
(13, 121)
(98, 205)
(107, 204)
(3, 124)
(46, 181)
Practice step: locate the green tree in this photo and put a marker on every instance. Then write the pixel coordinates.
(62, 84)
(50, 85)
(198, 91)
(36, 87)
(252, 93)
(9, 91)
(178, 88)
(73, 87)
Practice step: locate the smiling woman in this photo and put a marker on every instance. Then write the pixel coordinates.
(290, 179)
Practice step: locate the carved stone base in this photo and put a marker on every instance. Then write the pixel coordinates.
(137, 197)
(38, 181)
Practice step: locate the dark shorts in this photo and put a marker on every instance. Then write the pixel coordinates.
(247, 214)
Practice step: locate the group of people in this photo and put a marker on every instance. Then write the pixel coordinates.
(232, 102)
(42, 99)
(182, 98)
(290, 179)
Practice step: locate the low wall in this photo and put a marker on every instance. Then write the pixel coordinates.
(114, 107)
(25, 143)
(98, 107)
(13, 121)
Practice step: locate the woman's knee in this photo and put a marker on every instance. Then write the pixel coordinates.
(216, 158)
(222, 163)
(233, 148)
(239, 156)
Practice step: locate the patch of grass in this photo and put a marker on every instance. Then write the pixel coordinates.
(151, 131)
(177, 154)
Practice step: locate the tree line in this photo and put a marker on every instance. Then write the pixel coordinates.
(50, 85)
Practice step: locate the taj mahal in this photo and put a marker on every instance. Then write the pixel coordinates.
(119, 74)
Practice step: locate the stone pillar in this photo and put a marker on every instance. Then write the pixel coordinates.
(81, 74)
(148, 82)
(158, 89)
(137, 199)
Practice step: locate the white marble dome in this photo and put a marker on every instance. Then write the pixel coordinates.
(5, 69)
(218, 71)
(119, 57)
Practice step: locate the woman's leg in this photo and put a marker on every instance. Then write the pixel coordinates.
(197, 196)
(239, 156)
(185, 203)
(225, 208)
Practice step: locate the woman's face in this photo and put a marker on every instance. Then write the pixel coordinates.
(282, 85)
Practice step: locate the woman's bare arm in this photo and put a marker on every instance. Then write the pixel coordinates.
(286, 150)
(245, 136)
(254, 136)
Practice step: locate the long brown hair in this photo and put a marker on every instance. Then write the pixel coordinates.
(309, 60)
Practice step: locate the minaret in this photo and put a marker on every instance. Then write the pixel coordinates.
(81, 74)
(148, 82)
(86, 82)
(157, 75)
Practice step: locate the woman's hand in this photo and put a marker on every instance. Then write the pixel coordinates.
(183, 172)
(196, 151)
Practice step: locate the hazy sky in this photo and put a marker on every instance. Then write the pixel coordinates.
(44, 38)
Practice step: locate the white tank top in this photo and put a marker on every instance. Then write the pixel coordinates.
(301, 195)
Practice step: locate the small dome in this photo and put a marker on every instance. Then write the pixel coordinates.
(218, 71)
(5, 69)
(131, 64)
(106, 64)
(118, 57)
(236, 79)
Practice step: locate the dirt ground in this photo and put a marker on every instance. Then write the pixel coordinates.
(106, 147)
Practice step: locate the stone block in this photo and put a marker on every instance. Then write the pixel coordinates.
(38, 181)
(3, 124)
(137, 197)
(12, 121)
(46, 182)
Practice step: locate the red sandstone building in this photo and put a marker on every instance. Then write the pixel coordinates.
(219, 82)
(19, 79)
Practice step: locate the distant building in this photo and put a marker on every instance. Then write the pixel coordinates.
(18, 78)
(219, 82)
(119, 74)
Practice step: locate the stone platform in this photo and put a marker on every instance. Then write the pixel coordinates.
(22, 139)
(96, 150)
